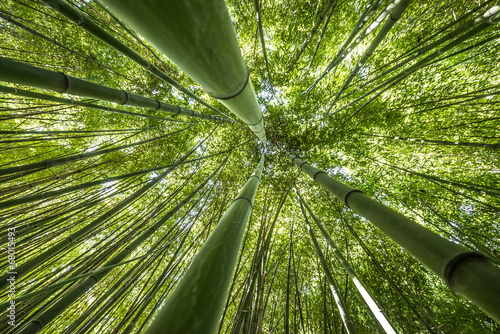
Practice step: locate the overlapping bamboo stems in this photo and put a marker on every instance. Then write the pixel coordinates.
(468, 273)
(399, 8)
(370, 302)
(174, 258)
(199, 38)
(25, 74)
(160, 282)
(45, 97)
(330, 5)
(246, 306)
(88, 25)
(74, 237)
(482, 189)
(8, 17)
(25, 226)
(320, 39)
(112, 295)
(261, 304)
(50, 287)
(384, 273)
(203, 288)
(447, 37)
(347, 47)
(332, 283)
(60, 161)
(48, 315)
(461, 235)
(432, 36)
(183, 229)
(54, 193)
(491, 17)
(44, 232)
(287, 299)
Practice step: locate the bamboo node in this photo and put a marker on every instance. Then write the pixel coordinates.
(238, 91)
(452, 265)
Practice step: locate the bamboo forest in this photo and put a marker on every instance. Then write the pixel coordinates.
(250, 166)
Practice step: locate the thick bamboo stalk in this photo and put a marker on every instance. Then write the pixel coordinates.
(374, 308)
(88, 25)
(198, 36)
(197, 302)
(467, 273)
(24, 74)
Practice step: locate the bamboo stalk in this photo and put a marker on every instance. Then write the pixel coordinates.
(374, 308)
(24, 74)
(468, 273)
(88, 25)
(202, 291)
(48, 315)
(198, 36)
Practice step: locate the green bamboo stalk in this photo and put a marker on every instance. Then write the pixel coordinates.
(24, 74)
(199, 37)
(88, 25)
(196, 303)
(374, 308)
(334, 287)
(45, 97)
(468, 273)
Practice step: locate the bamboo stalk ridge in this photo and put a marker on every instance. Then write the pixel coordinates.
(197, 302)
(199, 37)
(468, 273)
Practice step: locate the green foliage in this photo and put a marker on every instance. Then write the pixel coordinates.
(400, 148)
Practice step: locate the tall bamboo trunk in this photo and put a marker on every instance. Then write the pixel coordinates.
(198, 36)
(197, 302)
